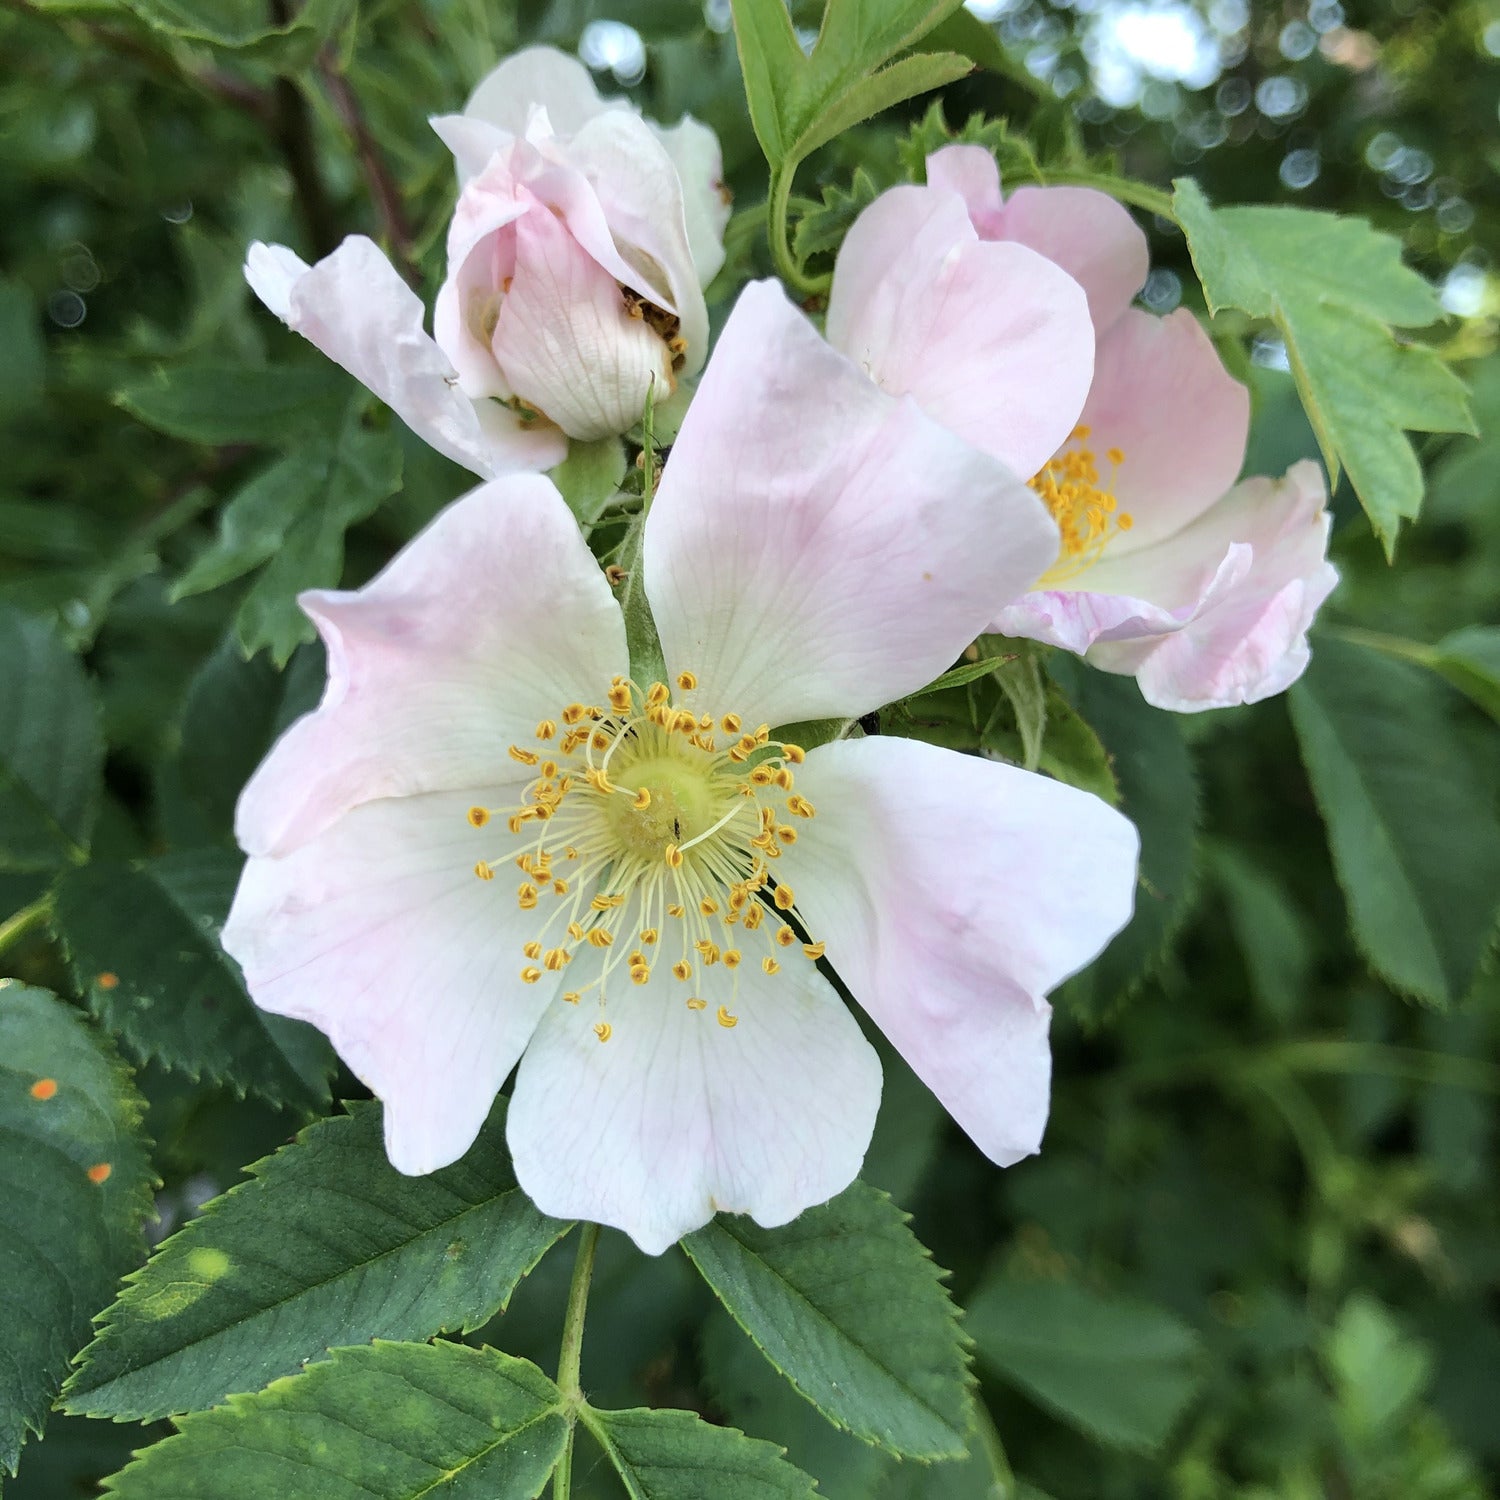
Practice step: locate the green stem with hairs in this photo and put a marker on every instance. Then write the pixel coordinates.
(570, 1360)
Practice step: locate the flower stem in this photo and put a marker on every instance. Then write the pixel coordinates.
(1138, 194)
(781, 245)
(570, 1360)
(17, 926)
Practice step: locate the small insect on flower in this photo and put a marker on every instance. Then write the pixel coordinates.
(678, 868)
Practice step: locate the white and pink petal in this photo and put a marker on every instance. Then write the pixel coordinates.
(953, 893)
(492, 620)
(378, 933)
(991, 340)
(821, 547)
(355, 307)
(677, 1117)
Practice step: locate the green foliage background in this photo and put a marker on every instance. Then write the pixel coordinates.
(1260, 1254)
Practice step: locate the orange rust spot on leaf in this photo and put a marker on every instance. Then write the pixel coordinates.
(44, 1088)
(107, 980)
(99, 1172)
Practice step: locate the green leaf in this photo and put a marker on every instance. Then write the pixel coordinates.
(1270, 930)
(215, 404)
(1019, 674)
(1120, 1371)
(1379, 1372)
(589, 477)
(325, 1244)
(259, 702)
(1159, 794)
(1334, 287)
(67, 1110)
(51, 748)
(1410, 813)
(244, 27)
(676, 1455)
(821, 227)
(1073, 752)
(365, 470)
(143, 942)
(798, 103)
(23, 371)
(1470, 660)
(647, 664)
(390, 1421)
(848, 1305)
(254, 523)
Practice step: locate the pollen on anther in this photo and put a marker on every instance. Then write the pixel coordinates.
(682, 969)
(814, 951)
(696, 1004)
(44, 1088)
(484, 871)
(687, 681)
(479, 816)
(770, 965)
(727, 1021)
(572, 997)
(546, 729)
(604, 1031)
(676, 910)
(642, 800)
(784, 897)
(673, 856)
(784, 936)
(530, 974)
(731, 958)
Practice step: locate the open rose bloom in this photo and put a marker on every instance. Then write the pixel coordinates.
(577, 254)
(1166, 569)
(489, 849)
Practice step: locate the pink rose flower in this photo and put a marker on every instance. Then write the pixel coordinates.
(577, 253)
(1165, 570)
(488, 849)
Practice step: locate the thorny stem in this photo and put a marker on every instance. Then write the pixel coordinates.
(383, 190)
(12, 929)
(570, 1360)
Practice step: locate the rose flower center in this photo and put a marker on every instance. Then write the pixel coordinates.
(1087, 514)
(650, 834)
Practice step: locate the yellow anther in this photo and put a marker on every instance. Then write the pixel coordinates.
(676, 909)
(549, 769)
(575, 931)
(526, 757)
(708, 906)
(649, 935)
(754, 917)
(526, 897)
(640, 973)
(599, 740)
(800, 807)
(727, 1021)
(570, 852)
(479, 816)
(1082, 434)
(657, 694)
(784, 779)
(730, 724)
(708, 950)
(686, 681)
(532, 949)
(600, 903)
(636, 957)
(530, 974)
(572, 997)
(1124, 520)
(787, 834)
(785, 936)
(1116, 456)
(642, 800)
(556, 958)
(784, 897)
(559, 887)
(814, 951)
(619, 697)
(673, 856)
(762, 776)
(617, 899)
(682, 969)
(762, 734)
(794, 753)
(546, 729)
(696, 1004)
(731, 958)
(600, 937)
(484, 871)
(770, 965)
(604, 1031)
